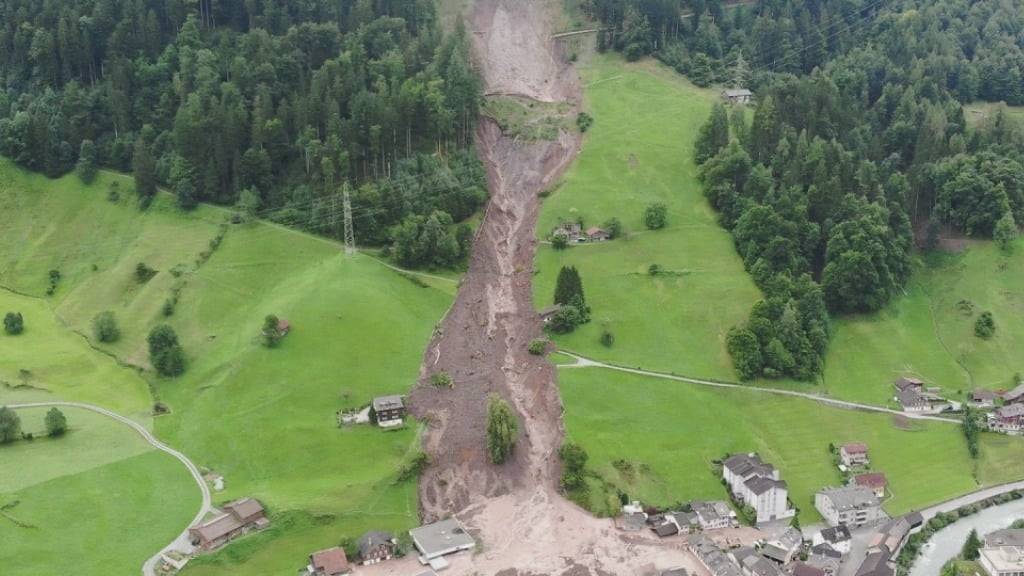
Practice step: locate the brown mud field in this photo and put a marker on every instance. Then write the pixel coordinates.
(523, 523)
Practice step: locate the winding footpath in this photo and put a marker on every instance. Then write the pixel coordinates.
(182, 541)
(584, 362)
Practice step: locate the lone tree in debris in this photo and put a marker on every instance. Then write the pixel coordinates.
(10, 425)
(56, 423)
(502, 428)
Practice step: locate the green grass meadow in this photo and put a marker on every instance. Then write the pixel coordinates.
(671, 433)
(263, 418)
(637, 152)
(97, 501)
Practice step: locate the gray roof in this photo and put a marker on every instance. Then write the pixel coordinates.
(685, 518)
(755, 564)
(825, 551)
(666, 529)
(441, 538)
(746, 465)
(875, 564)
(1011, 411)
(371, 540)
(1015, 394)
(760, 484)
(850, 497)
(733, 92)
(388, 403)
(712, 556)
(910, 397)
(1007, 537)
(836, 534)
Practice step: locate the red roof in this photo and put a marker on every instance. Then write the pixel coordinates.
(330, 562)
(855, 448)
(871, 480)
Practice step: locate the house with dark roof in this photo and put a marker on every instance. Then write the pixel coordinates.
(717, 562)
(876, 563)
(737, 95)
(713, 515)
(850, 506)
(1014, 396)
(837, 538)
(909, 383)
(595, 234)
(784, 546)
(804, 569)
(376, 547)
(983, 398)
(876, 481)
(753, 564)
(1007, 419)
(235, 519)
(388, 411)
(329, 562)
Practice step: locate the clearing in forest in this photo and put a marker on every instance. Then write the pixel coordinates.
(263, 418)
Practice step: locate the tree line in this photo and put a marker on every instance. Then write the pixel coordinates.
(273, 104)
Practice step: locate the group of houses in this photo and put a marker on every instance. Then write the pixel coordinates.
(433, 542)
(757, 484)
(233, 520)
(778, 555)
(1009, 418)
(853, 460)
(885, 543)
(915, 397)
(692, 518)
(574, 233)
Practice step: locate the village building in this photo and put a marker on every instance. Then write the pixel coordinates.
(236, 518)
(437, 540)
(912, 401)
(714, 515)
(835, 537)
(595, 234)
(571, 231)
(632, 521)
(799, 568)
(737, 95)
(854, 454)
(1003, 553)
(876, 563)
(389, 410)
(376, 547)
(885, 543)
(753, 564)
(852, 506)
(1008, 420)
(908, 383)
(825, 558)
(687, 522)
(329, 562)
(757, 484)
(1014, 396)
(876, 481)
(982, 398)
(710, 556)
(784, 546)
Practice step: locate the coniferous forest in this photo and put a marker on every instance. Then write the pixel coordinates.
(270, 105)
(857, 139)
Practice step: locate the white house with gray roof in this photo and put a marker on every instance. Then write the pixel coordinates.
(437, 540)
(1003, 554)
(757, 484)
(850, 506)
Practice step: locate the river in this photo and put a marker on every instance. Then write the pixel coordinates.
(946, 543)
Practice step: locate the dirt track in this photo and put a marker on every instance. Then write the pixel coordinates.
(525, 526)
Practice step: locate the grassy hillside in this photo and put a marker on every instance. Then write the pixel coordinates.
(264, 418)
(930, 330)
(670, 433)
(97, 501)
(638, 152)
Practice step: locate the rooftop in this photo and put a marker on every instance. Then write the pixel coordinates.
(761, 484)
(850, 497)
(1015, 394)
(855, 448)
(1007, 537)
(331, 561)
(371, 540)
(871, 480)
(836, 534)
(1011, 411)
(732, 92)
(803, 569)
(441, 538)
(393, 402)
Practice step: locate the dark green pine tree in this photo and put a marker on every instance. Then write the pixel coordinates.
(569, 287)
(714, 135)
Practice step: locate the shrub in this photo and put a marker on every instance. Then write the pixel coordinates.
(502, 429)
(114, 192)
(54, 277)
(574, 462)
(271, 332)
(14, 323)
(442, 379)
(143, 273)
(538, 346)
(584, 121)
(56, 423)
(168, 308)
(607, 338)
(412, 469)
(985, 326)
(104, 327)
(654, 269)
(614, 227)
(10, 425)
(656, 216)
(559, 242)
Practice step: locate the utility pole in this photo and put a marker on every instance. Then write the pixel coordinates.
(350, 236)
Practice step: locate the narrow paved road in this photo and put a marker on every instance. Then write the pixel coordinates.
(149, 568)
(584, 362)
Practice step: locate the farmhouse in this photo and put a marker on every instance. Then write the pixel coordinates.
(876, 481)
(716, 562)
(757, 484)
(389, 410)
(595, 234)
(376, 547)
(713, 515)
(1014, 396)
(1003, 554)
(852, 506)
(907, 383)
(571, 231)
(1008, 420)
(982, 398)
(437, 540)
(329, 562)
(836, 537)
(737, 95)
(237, 518)
(854, 454)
